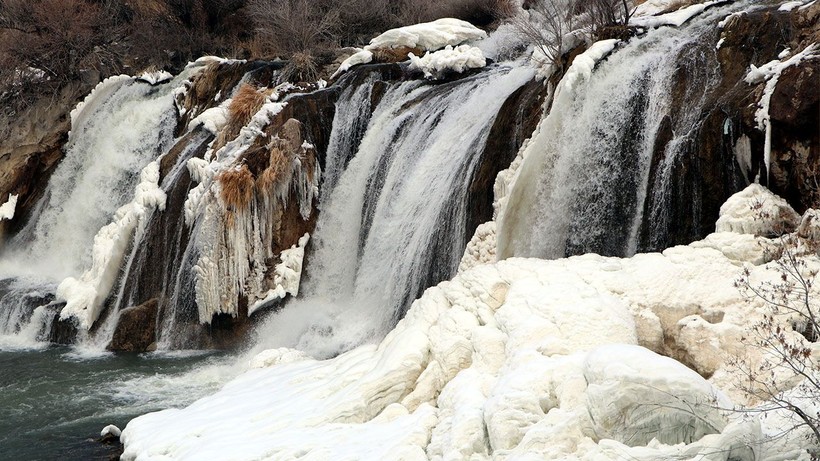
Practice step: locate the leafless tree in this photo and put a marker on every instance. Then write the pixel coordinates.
(783, 336)
(545, 27)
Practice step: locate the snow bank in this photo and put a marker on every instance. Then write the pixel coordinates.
(675, 18)
(362, 56)
(85, 296)
(789, 6)
(213, 119)
(520, 359)
(770, 73)
(756, 210)
(7, 209)
(428, 36)
(458, 59)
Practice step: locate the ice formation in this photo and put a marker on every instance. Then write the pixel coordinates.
(458, 59)
(428, 36)
(770, 73)
(235, 243)
(84, 296)
(286, 275)
(7, 208)
(520, 359)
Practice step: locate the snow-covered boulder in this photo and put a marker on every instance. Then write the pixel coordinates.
(756, 210)
(439, 63)
(396, 45)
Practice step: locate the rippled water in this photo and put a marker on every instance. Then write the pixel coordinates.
(55, 401)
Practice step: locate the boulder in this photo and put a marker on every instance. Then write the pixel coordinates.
(136, 328)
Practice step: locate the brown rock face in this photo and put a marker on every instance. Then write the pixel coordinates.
(31, 140)
(136, 328)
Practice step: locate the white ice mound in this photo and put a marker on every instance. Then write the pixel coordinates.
(7, 208)
(458, 59)
(428, 36)
(635, 395)
(756, 210)
(521, 359)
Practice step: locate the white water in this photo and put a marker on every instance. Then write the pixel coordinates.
(583, 183)
(119, 128)
(395, 219)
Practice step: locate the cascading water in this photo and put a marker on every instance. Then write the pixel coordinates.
(393, 224)
(584, 182)
(124, 124)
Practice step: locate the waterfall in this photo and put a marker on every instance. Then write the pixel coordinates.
(585, 178)
(124, 124)
(393, 222)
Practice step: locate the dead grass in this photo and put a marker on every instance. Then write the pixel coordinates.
(237, 190)
(277, 168)
(246, 102)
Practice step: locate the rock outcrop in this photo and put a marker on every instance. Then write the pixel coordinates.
(131, 334)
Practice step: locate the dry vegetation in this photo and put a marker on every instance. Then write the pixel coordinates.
(46, 43)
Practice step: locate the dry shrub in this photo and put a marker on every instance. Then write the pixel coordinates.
(302, 67)
(246, 102)
(277, 168)
(237, 189)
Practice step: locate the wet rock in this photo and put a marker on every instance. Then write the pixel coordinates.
(136, 328)
(61, 331)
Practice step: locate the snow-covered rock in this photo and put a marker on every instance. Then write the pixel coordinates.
(428, 36)
(756, 210)
(458, 59)
(286, 275)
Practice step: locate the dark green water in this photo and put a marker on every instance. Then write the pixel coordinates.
(55, 401)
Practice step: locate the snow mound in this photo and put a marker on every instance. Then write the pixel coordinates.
(112, 430)
(7, 209)
(756, 210)
(675, 18)
(213, 119)
(520, 359)
(458, 59)
(669, 392)
(428, 36)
